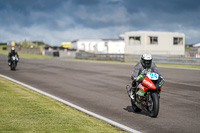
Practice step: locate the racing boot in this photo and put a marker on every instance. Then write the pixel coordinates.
(9, 63)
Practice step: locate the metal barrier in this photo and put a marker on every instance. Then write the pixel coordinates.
(26, 49)
(166, 59)
(52, 53)
(92, 56)
(136, 58)
(67, 54)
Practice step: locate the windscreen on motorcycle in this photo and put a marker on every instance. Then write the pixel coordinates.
(153, 76)
(13, 57)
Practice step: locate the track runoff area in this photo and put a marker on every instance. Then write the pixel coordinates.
(123, 127)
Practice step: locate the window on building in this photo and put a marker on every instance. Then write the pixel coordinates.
(134, 40)
(178, 41)
(152, 40)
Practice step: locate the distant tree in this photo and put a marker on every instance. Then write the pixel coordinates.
(40, 43)
(32, 44)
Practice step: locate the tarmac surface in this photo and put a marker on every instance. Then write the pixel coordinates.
(100, 87)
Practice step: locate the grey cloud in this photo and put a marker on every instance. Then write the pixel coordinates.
(66, 16)
(85, 2)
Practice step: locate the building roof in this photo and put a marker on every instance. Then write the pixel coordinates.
(120, 39)
(86, 40)
(152, 32)
(196, 45)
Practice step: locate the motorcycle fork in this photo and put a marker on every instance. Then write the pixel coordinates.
(149, 101)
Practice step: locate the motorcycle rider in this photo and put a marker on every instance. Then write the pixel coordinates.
(12, 53)
(145, 64)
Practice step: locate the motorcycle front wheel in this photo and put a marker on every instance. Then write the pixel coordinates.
(153, 104)
(12, 67)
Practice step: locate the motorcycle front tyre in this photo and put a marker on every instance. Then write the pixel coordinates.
(155, 110)
(134, 107)
(12, 67)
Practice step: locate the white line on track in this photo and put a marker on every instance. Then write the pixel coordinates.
(123, 127)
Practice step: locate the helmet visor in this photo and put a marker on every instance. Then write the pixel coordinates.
(147, 63)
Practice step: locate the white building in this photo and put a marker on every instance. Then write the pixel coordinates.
(106, 46)
(196, 45)
(157, 43)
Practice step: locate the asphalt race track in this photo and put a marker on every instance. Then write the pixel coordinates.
(100, 88)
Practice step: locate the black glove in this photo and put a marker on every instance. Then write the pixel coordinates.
(161, 81)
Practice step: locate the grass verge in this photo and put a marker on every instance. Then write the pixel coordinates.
(179, 65)
(26, 55)
(24, 110)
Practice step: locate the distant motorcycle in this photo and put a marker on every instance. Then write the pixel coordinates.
(147, 93)
(13, 62)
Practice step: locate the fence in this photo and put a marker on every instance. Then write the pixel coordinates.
(52, 53)
(136, 58)
(191, 60)
(92, 56)
(193, 52)
(167, 59)
(26, 49)
(67, 54)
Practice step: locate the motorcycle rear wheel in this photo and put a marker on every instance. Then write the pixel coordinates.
(155, 105)
(134, 107)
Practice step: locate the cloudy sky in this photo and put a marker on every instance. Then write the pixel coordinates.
(56, 21)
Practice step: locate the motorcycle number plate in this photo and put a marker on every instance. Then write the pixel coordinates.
(153, 76)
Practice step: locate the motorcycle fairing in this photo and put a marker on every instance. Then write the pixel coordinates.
(148, 83)
(141, 87)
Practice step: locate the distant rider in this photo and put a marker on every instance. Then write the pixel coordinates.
(12, 53)
(145, 64)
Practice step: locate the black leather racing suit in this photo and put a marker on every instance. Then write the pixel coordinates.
(12, 53)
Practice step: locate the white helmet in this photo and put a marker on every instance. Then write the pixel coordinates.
(146, 60)
(13, 48)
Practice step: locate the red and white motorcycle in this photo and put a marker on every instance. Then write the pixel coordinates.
(147, 93)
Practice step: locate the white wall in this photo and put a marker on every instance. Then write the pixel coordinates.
(116, 47)
(100, 46)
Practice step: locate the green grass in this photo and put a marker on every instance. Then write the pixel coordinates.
(26, 55)
(33, 55)
(179, 65)
(24, 110)
(3, 51)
